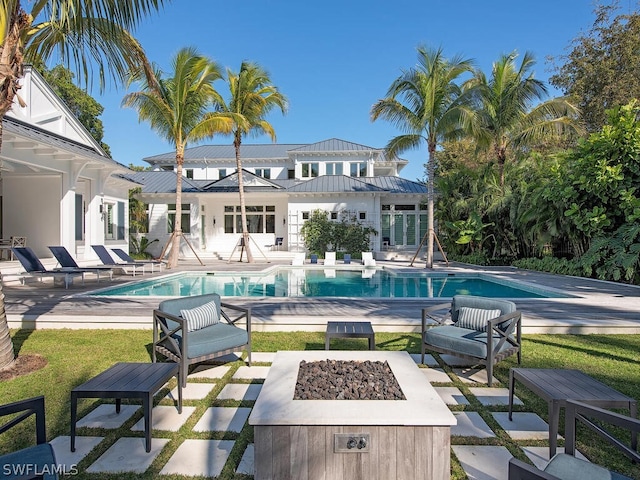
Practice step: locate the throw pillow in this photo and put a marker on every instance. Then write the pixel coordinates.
(476, 318)
(201, 316)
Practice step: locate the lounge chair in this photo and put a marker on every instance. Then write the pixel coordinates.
(368, 260)
(33, 267)
(194, 329)
(298, 258)
(128, 258)
(566, 465)
(39, 458)
(107, 259)
(347, 259)
(467, 337)
(66, 261)
(329, 258)
(313, 258)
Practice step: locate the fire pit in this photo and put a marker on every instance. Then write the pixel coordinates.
(350, 438)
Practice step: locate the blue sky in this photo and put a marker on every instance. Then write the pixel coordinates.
(334, 58)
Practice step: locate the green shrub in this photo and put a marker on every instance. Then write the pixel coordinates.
(548, 264)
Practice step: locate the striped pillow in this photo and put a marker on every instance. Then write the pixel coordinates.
(201, 316)
(476, 318)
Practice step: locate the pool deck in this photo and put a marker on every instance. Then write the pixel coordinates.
(596, 306)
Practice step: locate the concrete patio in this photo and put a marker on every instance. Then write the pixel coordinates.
(217, 403)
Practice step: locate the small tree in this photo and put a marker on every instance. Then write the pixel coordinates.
(321, 234)
(318, 232)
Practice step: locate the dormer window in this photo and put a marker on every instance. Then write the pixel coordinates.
(334, 168)
(310, 170)
(358, 169)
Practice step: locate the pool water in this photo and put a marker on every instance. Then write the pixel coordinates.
(287, 282)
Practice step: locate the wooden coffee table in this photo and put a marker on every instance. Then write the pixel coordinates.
(127, 380)
(557, 385)
(350, 330)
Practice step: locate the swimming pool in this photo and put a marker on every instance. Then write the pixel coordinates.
(292, 282)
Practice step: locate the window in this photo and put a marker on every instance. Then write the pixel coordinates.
(334, 168)
(310, 170)
(188, 173)
(222, 172)
(291, 174)
(260, 219)
(399, 208)
(185, 217)
(362, 215)
(109, 221)
(263, 172)
(305, 215)
(358, 169)
(334, 215)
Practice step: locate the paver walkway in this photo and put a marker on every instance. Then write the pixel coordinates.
(212, 438)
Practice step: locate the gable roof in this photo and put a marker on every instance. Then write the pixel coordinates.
(249, 180)
(334, 145)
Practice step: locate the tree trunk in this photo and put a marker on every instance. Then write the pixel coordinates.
(177, 223)
(430, 195)
(11, 70)
(243, 210)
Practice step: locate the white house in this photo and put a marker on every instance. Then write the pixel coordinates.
(58, 186)
(283, 185)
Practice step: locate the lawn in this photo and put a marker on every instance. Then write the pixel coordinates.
(74, 356)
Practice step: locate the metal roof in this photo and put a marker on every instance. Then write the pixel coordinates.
(32, 132)
(334, 145)
(393, 184)
(227, 152)
(334, 184)
(162, 182)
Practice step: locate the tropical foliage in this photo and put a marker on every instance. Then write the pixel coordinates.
(252, 98)
(320, 234)
(601, 68)
(181, 108)
(426, 104)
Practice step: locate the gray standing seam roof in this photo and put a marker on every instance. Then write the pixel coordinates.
(227, 152)
(334, 145)
(334, 183)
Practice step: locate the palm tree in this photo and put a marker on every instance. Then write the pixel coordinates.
(252, 98)
(506, 115)
(427, 104)
(79, 33)
(182, 109)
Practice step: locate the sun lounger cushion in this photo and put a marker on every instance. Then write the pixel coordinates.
(202, 316)
(476, 318)
(454, 338)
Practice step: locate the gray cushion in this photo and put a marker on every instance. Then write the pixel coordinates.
(463, 340)
(215, 338)
(568, 467)
(505, 306)
(175, 305)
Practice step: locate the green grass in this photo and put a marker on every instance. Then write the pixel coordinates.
(74, 356)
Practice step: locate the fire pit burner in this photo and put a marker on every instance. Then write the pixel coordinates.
(346, 380)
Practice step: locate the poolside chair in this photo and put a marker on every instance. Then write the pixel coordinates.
(329, 258)
(347, 258)
(66, 261)
(33, 267)
(313, 258)
(368, 260)
(298, 258)
(194, 329)
(39, 458)
(566, 466)
(462, 329)
(128, 258)
(107, 259)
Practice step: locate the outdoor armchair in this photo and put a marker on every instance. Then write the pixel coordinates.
(31, 462)
(483, 330)
(175, 338)
(566, 466)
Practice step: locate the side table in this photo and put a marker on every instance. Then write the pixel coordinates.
(557, 385)
(127, 380)
(350, 330)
